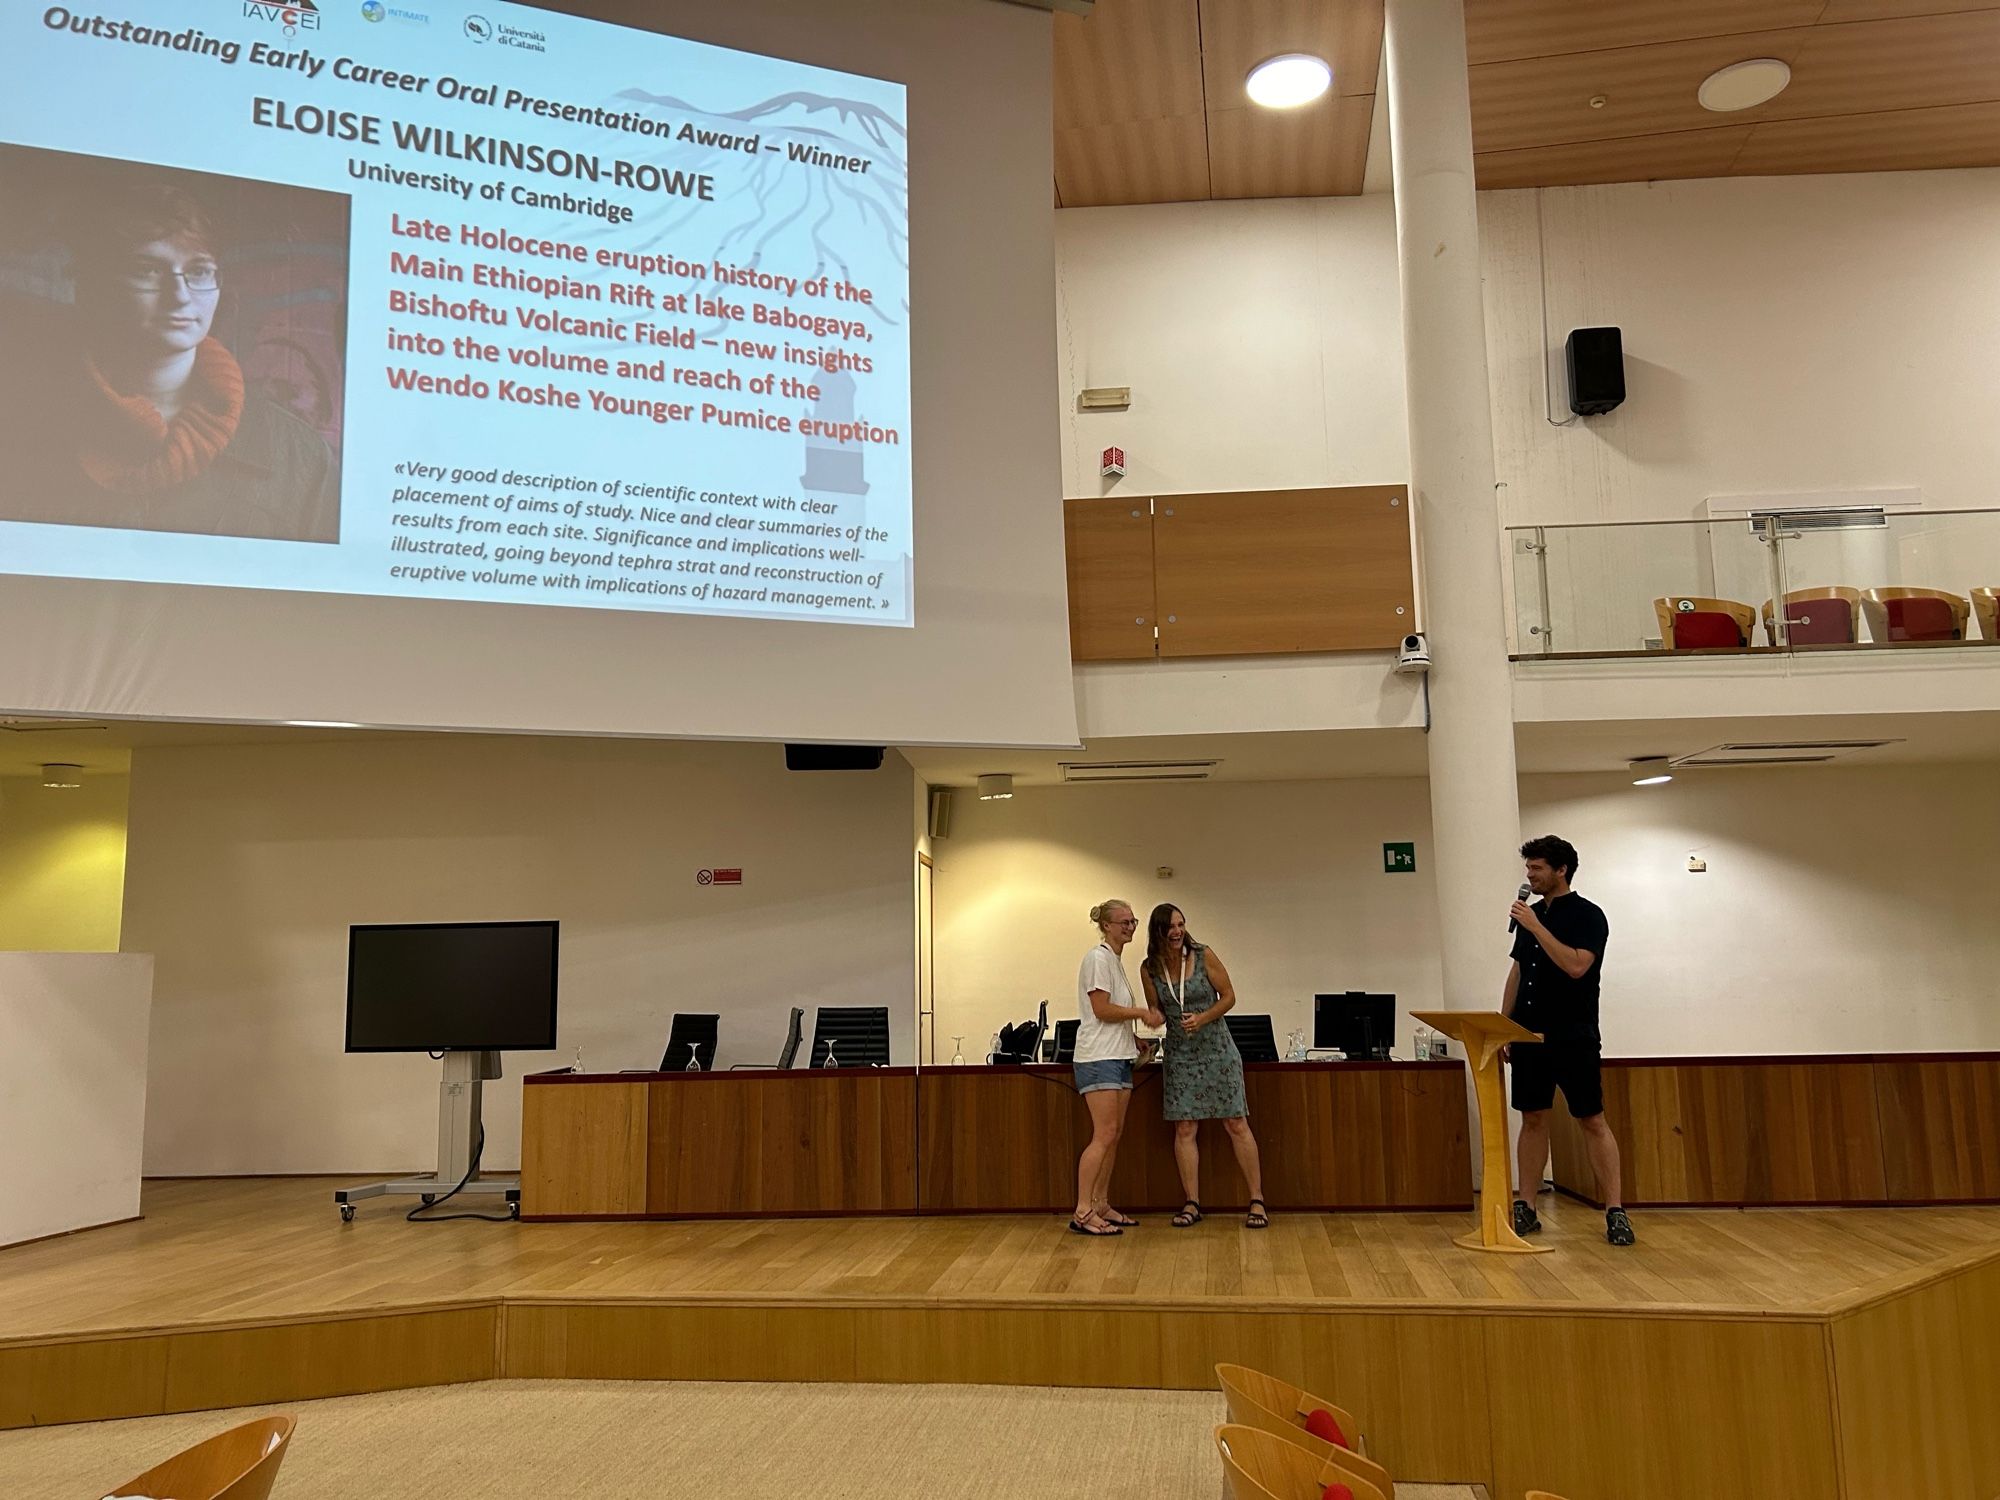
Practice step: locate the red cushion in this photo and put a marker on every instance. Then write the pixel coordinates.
(1336, 1491)
(1698, 628)
(1321, 1424)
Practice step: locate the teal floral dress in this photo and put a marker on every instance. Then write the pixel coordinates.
(1204, 1072)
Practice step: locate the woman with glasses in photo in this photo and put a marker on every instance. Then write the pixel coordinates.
(136, 416)
(1106, 1049)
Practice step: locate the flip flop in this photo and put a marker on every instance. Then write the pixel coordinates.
(1092, 1226)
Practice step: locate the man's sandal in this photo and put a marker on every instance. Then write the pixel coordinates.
(1257, 1218)
(1189, 1216)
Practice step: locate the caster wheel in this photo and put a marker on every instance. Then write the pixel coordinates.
(347, 1213)
(428, 1197)
(513, 1210)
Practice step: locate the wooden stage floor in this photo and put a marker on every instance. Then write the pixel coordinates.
(1809, 1346)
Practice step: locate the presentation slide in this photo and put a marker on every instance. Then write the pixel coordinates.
(455, 301)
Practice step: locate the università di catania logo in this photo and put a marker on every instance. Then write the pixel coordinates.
(294, 17)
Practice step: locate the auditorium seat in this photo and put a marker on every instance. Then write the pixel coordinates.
(1259, 1465)
(1901, 614)
(1275, 1406)
(240, 1464)
(1818, 617)
(1986, 604)
(1692, 623)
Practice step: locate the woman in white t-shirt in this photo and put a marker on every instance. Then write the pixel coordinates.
(1105, 1052)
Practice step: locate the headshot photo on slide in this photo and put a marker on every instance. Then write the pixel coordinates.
(172, 349)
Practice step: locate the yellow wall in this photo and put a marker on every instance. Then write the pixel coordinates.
(62, 864)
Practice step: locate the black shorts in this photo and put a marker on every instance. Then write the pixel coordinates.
(1540, 1068)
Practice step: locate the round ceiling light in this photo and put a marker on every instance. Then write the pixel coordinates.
(1288, 80)
(1744, 85)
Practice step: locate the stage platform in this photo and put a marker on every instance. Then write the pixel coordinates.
(1850, 1352)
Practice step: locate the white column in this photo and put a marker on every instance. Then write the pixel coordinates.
(1475, 806)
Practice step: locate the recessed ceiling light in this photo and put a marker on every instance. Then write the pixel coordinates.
(1288, 80)
(1744, 85)
(1652, 770)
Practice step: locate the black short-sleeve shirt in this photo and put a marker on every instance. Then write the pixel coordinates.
(1562, 1009)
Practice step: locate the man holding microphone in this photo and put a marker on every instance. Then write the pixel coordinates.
(1552, 988)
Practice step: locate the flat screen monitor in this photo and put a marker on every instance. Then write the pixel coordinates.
(1357, 1024)
(451, 987)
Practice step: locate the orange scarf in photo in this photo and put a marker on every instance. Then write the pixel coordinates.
(130, 449)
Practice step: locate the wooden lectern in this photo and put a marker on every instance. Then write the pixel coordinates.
(1483, 1033)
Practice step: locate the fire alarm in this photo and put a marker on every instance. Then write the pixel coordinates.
(1114, 463)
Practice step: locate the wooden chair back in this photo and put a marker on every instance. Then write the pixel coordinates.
(1816, 627)
(1280, 1408)
(1675, 607)
(1986, 605)
(1875, 605)
(1542, 1495)
(240, 1464)
(1258, 1465)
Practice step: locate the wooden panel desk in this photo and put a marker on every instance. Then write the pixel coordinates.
(1333, 1136)
(1903, 1128)
(749, 1144)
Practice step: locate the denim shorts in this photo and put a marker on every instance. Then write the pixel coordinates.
(1112, 1073)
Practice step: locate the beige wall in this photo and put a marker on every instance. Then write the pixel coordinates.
(1841, 909)
(248, 864)
(62, 864)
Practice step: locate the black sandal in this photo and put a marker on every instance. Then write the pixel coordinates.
(1123, 1221)
(1092, 1225)
(1257, 1218)
(1189, 1216)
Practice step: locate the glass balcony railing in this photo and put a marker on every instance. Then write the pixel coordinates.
(1852, 578)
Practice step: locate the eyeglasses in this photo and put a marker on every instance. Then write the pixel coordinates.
(203, 276)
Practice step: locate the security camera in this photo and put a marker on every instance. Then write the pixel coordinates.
(1414, 655)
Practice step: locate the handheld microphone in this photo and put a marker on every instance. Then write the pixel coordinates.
(1521, 895)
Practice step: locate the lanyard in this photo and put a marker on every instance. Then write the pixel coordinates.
(1177, 991)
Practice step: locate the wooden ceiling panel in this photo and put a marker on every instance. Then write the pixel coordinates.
(1129, 60)
(1236, 35)
(1918, 63)
(1641, 158)
(1545, 101)
(1882, 10)
(1133, 161)
(1959, 135)
(1318, 151)
(1503, 30)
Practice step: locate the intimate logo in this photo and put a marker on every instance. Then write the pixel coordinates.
(479, 28)
(297, 16)
(373, 10)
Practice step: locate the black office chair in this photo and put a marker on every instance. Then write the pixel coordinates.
(857, 1036)
(1066, 1041)
(794, 1029)
(1253, 1037)
(691, 1040)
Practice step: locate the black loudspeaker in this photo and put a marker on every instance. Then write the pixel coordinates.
(1596, 360)
(833, 757)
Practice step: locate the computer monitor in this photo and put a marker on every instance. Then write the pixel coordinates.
(451, 987)
(1357, 1024)
(1253, 1036)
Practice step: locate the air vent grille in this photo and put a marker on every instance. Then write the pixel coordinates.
(1079, 771)
(1777, 752)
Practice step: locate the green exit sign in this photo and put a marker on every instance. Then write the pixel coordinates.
(1399, 859)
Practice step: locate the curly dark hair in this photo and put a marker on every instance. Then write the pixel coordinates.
(1558, 853)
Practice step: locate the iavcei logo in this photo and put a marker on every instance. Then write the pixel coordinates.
(295, 15)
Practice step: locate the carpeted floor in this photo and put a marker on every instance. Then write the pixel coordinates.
(617, 1440)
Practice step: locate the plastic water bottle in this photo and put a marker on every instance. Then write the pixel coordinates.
(1423, 1041)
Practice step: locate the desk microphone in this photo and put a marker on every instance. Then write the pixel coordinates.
(1521, 895)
